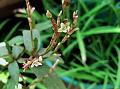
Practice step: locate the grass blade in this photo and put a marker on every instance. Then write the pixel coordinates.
(117, 83)
(81, 46)
(92, 86)
(101, 30)
(3, 23)
(69, 48)
(105, 81)
(93, 11)
(12, 31)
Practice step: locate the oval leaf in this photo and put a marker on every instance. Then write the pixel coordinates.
(13, 69)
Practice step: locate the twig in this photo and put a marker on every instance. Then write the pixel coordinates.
(29, 12)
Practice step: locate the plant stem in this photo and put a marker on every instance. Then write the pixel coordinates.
(29, 12)
(46, 50)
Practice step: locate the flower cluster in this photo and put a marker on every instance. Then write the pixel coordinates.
(59, 26)
(64, 27)
(33, 62)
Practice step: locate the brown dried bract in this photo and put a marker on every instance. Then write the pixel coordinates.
(65, 4)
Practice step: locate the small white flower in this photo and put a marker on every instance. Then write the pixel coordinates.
(40, 59)
(37, 62)
(64, 27)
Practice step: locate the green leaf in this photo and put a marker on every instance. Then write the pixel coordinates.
(81, 46)
(36, 16)
(5, 52)
(3, 49)
(52, 82)
(28, 41)
(10, 84)
(40, 71)
(16, 51)
(17, 40)
(38, 85)
(36, 35)
(13, 69)
(8, 58)
(36, 43)
(43, 26)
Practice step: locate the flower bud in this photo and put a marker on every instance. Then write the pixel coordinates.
(75, 15)
(48, 14)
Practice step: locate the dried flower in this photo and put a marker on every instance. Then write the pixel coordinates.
(48, 14)
(75, 17)
(34, 62)
(75, 14)
(37, 62)
(26, 65)
(64, 27)
(65, 4)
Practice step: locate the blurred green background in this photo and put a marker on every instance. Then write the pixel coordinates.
(97, 40)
